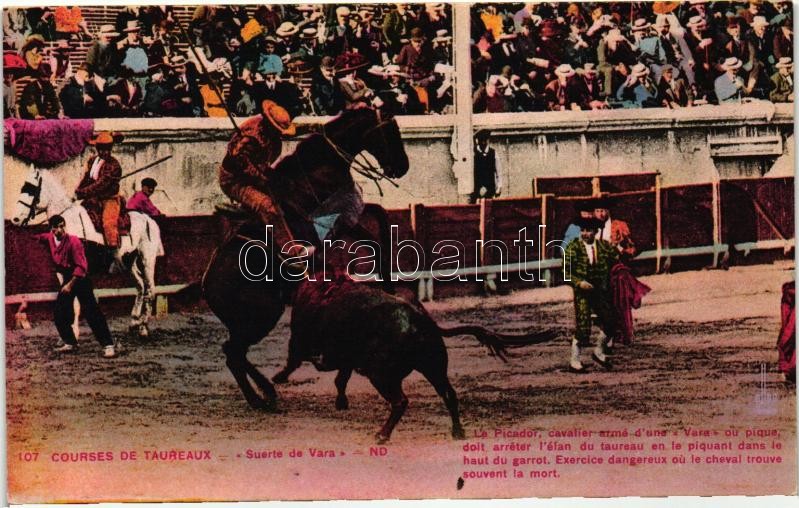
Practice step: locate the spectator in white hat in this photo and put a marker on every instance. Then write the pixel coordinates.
(103, 57)
(563, 93)
(341, 36)
(616, 55)
(672, 91)
(497, 99)
(761, 42)
(730, 87)
(672, 50)
(705, 51)
(369, 37)
(639, 88)
(590, 87)
(763, 45)
(782, 81)
(398, 97)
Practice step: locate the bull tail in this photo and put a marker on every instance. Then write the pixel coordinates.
(497, 343)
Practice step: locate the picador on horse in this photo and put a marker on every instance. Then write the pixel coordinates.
(308, 196)
(99, 190)
(247, 167)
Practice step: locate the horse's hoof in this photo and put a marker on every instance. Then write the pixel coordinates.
(458, 433)
(267, 406)
(144, 332)
(381, 438)
(342, 403)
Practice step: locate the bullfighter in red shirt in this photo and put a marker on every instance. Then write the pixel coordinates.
(71, 264)
(140, 201)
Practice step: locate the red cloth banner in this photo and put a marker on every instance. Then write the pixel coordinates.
(47, 142)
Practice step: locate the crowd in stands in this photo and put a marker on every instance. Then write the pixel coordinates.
(550, 56)
(311, 59)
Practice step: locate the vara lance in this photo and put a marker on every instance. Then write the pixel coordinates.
(211, 81)
(148, 166)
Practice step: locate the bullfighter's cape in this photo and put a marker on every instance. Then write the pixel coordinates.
(786, 342)
(627, 295)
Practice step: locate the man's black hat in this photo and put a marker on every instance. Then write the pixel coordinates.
(482, 134)
(149, 182)
(588, 223)
(584, 205)
(605, 202)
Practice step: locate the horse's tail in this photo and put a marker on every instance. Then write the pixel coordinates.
(497, 343)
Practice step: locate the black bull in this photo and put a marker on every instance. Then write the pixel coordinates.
(344, 325)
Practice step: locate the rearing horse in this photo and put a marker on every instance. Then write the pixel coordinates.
(42, 193)
(313, 177)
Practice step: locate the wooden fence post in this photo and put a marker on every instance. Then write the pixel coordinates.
(486, 234)
(716, 204)
(542, 248)
(658, 225)
(417, 227)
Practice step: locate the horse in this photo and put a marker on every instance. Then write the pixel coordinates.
(312, 176)
(42, 193)
(345, 325)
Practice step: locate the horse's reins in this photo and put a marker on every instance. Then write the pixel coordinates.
(35, 192)
(366, 168)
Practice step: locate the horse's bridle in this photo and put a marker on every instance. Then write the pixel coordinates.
(35, 192)
(365, 168)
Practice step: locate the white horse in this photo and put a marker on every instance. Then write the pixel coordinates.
(42, 193)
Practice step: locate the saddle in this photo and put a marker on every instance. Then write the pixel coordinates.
(123, 220)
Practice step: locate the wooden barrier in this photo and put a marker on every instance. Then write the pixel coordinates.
(706, 220)
(757, 214)
(583, 186)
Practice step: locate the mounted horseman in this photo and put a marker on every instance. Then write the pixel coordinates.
(244, 175)
(99, 190)
(308, 196)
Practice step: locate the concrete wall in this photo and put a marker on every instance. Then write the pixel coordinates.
(686, 146)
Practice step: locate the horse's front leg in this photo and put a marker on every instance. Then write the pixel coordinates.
(236, 359)
(137, 270)
(76, 322)
(148, 260)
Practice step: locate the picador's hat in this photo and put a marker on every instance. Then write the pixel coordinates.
(106, 138)
(278, 117)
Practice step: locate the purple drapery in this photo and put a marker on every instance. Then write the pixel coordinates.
(47, 142)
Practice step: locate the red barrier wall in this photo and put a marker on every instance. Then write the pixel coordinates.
(564, 186)
(458, 223)
(504, 219)
(750, 210)
(625, 183)
(753, 210)
(687, 216)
